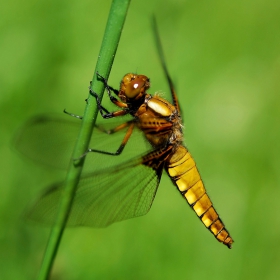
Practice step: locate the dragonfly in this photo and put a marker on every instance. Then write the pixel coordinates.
(122, 184)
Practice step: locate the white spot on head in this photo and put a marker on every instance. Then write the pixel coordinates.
(135, 85)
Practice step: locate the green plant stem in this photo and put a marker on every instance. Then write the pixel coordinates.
(106, 56)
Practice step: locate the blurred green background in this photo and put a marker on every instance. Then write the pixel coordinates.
(225, 61)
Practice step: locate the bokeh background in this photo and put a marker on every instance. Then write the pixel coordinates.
(225, 61)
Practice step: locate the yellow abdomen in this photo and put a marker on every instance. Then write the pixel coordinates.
(182, 170)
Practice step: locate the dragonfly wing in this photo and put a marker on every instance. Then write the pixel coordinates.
(104, 197)
(50, 140)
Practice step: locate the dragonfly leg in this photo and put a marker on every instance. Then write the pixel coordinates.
(109, 89)
(80, 117)
(105, 82)
(121, 147)
(104, 112)
(113, 130)
(72, 115)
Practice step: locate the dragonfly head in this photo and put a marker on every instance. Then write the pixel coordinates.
(133, 87)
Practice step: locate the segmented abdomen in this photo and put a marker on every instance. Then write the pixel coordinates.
(183, 172)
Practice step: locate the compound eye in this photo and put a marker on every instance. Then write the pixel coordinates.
(128, 78)
(135, 84)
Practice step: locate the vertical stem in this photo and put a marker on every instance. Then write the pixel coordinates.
(106, 56)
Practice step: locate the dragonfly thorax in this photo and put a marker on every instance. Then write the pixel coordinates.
(160, 122)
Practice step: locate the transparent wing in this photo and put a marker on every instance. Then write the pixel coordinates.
(104, 197)
(49, 140)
